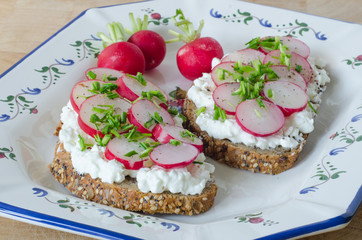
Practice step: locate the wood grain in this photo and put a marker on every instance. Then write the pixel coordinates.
(24, 24)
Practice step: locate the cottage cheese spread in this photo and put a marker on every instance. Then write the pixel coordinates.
(288, 137)
(189, 180)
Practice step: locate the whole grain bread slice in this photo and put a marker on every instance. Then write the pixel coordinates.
(270, 161)
(126, 195)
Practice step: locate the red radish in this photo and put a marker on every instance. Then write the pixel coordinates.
(152, 45)
(80, 93)
(170, 156)
(131, 88)
(290, 75)
(99, 101)
(293, 44)
(125, 152)
(104, 74)
(143, 112)
(164, 133)
(295, 60)
(215, 73)
(122, 56)
(223, 97)
(195, 57)
(246, 56)
(289, 97)
(259, 121)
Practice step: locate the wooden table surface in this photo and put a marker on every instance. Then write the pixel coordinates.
(24, 24)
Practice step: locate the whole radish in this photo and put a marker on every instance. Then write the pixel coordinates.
(151, 43)
(194, 58)
(122, 56)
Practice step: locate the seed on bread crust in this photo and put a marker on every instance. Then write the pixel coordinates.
(126, 195)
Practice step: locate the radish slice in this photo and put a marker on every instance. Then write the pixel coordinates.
(170, 156)
(118, 148)
(258, 121)
(289, 75)
(229, 66)
(164, 133)
(223, 97)
(246, 56)
(86, 111)
(294, 45)
(289, 97)
(295, 59)
(131, 89)
(104, 74)
(139, 115)
(80, 93)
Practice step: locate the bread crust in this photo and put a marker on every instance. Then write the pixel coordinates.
(126, 195)
(273, 161)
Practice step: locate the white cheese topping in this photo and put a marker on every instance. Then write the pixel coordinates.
(189, 180)
(288, 137)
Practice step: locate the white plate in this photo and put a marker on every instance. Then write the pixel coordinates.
(321, 192)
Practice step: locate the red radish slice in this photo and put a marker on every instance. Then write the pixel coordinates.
(294, 45)
(289, 75)
(295, 59)
(118, 148)
(259, 121)
(86, 111)
(223, 97)
(104, 74)
(171, 156)
(139, 115)
(246, 56)
(80, 93)
(289, 97)
(130, 88)
(228, 66)
(164, 133)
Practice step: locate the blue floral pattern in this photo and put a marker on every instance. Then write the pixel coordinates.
(135, 219)
(294, 28)
(326, 169)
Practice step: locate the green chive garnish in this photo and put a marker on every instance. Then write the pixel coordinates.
(91, 75)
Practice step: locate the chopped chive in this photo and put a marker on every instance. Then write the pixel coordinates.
(172, 110)
(126, 127)
(110, 78)
(183, 118)
(115, 133)
(186, 133)
(145, 152)
(219, 113)
(139, 77)
(91, 75)
(200, 110)
(131, 153)
(197, 162)
(149, 123)
(123, 118)
(174, 142)
(257, 113)
(311, 106)
(106, 139)
(270, 93)
(298, 68)
(82, 143)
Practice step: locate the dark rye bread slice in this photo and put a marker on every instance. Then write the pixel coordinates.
(126, 195)
(273, 161)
